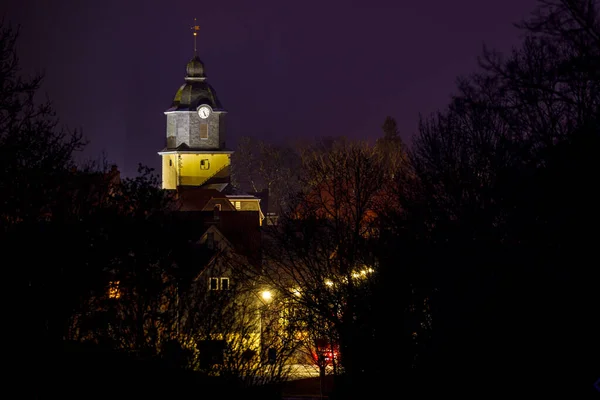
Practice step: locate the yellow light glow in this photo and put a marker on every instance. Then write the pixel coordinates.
(185, 169)
(266, 295)
(296, 292)
(328, 282)
(113, 290)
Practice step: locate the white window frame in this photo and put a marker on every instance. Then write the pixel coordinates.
(220, 283)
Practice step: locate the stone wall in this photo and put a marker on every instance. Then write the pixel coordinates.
(184, 127)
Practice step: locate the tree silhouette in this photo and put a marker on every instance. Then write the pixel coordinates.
(36, 154)
(257, 165)
(321, 257)
(503, 185)
(391, 148)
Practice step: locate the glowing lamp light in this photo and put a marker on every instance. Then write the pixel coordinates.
(266, 295)
(113, 290)
(328, 282)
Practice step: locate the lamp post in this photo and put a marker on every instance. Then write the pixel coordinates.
(266, 296)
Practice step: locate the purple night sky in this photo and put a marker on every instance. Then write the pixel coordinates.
(284, 70)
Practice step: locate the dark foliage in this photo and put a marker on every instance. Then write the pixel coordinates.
(505, 198)
(482, 237)
(95, 372)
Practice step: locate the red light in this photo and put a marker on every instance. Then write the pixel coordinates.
(328, 356)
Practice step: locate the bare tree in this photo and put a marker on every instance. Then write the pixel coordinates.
(135, 240)
(258, 165)
(36, 155)
(503, 180)
(237, 331)
(36, 159)
(320, 256)
(391, 148)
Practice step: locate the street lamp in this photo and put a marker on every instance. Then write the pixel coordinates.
(266, 295)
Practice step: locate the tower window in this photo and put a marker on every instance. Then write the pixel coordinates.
(204, 164)
(170, 163)
(203, 131)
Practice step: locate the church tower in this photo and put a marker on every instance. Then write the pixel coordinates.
(195, 154)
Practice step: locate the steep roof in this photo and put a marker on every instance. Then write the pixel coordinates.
(241, 228)
(190, 198)
(196, 90)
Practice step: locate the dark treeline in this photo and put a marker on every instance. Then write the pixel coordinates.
(504, 182)
(463, 264)
(485, 229)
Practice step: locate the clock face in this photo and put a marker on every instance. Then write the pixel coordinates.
(203, 112)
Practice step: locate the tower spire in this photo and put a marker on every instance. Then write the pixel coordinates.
(195, 29)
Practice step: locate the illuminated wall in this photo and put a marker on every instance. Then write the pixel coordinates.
(169, 171)
(192, 169)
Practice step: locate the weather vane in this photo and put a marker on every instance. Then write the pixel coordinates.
(195, 29)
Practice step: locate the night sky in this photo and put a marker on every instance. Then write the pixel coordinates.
(284, 70)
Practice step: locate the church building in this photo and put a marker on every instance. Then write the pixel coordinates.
(196, 162)
(196, 165)
(195, 154)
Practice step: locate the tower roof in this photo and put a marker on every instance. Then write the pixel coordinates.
(195, 68)
(195, 91)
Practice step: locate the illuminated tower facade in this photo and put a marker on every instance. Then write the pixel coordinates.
(195, 154)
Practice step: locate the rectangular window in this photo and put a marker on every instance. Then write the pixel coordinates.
(218, 283)
(114, 291)
(237, 205)
(203, 131)
(224, 283)
(204, 164)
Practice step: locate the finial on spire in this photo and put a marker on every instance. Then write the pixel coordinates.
(195, 29)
